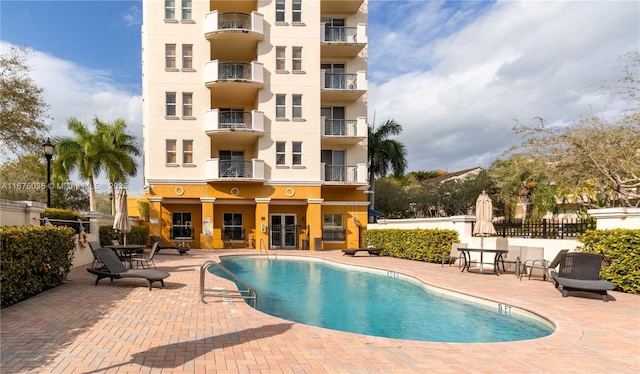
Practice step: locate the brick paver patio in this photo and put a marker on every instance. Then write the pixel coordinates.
(122, 327)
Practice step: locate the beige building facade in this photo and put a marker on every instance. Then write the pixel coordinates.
(255, 122)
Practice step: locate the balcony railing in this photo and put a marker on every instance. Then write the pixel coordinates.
(340, 173)
(216, 71)
(216, 120)
(215, 22)
(218, 169)
(340, 34)
(341, 81)
(235, 169)
(340, 127)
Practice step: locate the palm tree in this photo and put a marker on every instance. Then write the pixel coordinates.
(89, 153)
(125, 146)
(385, 154)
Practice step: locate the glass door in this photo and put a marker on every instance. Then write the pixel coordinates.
(283, 233)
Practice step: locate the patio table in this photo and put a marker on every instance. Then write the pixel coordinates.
(497, 255)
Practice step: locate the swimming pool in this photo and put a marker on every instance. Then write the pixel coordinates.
(376, 303)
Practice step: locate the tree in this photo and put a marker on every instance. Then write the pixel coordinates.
(385, 154)
(123, 143)
(90, 153)
(22, 108)
(595, 159)
(24, 179)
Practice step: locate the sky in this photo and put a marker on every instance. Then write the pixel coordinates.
(455, 74)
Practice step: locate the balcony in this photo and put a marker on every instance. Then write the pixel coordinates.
(342, 41)
(235, 82)
(340, 6)
(343, 86)
(343, 131)
(234, 126)
(234, 170)
(344, 174)
(231, 25)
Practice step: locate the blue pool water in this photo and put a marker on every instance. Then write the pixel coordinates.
(375, 303)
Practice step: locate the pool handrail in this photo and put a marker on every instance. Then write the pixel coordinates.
(248, 294)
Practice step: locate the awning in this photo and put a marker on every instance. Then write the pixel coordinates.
(375, 213)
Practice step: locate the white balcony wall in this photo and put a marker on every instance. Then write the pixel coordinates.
(361, 126)
(362, 174)
(211, 22)
(257, 72)
(212, 169)
(361, 36)
(258, 168)
(362, 80)
(257, 21)
(257, 122)
(212, 120)
(211, 70)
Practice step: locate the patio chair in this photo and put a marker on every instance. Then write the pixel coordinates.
(513, 256)
(141, 260)
(580, 271)
(114, 269)
(115, 242)
(454, 254)
(543, 265)
(528, 254)
(97, 263)
(163, 245)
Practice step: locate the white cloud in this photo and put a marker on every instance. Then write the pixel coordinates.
(513, 60)
(72, 90)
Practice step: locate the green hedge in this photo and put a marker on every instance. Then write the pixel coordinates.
(419, 244)
(33, 259)
(138, 235)
(54, 213)
(622, 249)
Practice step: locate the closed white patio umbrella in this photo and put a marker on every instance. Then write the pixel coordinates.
(121, 221)
(484, 215)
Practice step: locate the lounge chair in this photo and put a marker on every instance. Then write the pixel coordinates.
(114, 269)
(97, 263)
(353, 251)
(543, 265)
(580, 271)
(454, 254)
(163, 245)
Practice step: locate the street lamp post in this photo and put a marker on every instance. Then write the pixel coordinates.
(48, 153)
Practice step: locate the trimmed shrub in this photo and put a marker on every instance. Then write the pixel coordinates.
(419, 244)
(621, 247)
(54, 213)
(33, 259)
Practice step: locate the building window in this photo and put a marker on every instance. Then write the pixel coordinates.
(181, 226)
(280, 58)
(187, 56)
(187, 151)
(187, 104)
(280, 10)
(186, 10)
(171, 151)
(296, 109)
(296, 59)
(169, 9)
(170, 100)
(297, 153)
(332, 228)
(232, 226)
(281, 148)
(281, 106)
(296, 12)
(170, 56)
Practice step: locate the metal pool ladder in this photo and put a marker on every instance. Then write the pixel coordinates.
(247, 294)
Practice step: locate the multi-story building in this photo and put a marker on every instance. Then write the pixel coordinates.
(255, 122)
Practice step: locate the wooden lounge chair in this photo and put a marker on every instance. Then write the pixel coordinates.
(114, 269)
(580, 271)
(163, 245)
(353, 251)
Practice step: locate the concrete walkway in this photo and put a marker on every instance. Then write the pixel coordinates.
(122, 327)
